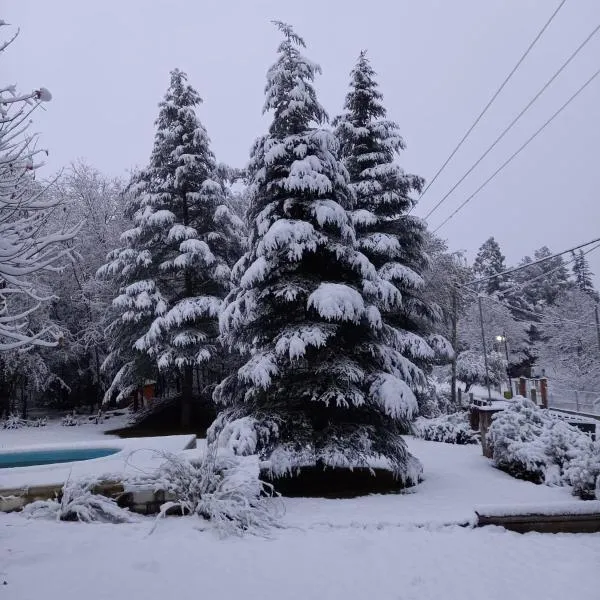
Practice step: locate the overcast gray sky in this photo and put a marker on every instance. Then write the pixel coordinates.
(438, 62)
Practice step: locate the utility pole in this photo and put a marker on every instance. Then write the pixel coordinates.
(487, 375)
(507, 364)
(454, 342)
(597, 325)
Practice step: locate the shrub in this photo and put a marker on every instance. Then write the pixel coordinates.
(583, 473)
(69, 421)
(77, 502)
(451, 429)
(221, 488)
(532, 444)
(14, 422)
(435, 399)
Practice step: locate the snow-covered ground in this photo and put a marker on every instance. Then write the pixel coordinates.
(457, 478)
(118, 562)
(133, 457)
(401, 547)
(54, 433)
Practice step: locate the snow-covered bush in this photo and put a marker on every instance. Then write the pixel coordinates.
(434, 399)
(69, 421)
(14, 422)
(470, 368)
(78, 502)
(451, 429)
(532, 444)
(583, 473)
(221, 488)
(42, 422)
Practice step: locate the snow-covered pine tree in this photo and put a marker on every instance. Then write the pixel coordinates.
(386, 234)
(582, 273)
(320, 388)
(131, 271)
(488, 262)
(180, 244)
(540, 284)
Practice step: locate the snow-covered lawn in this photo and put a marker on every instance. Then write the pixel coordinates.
(457, 478)
(397, 546)
(117, 562)
(54, 433)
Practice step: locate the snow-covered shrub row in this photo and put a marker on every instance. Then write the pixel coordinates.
(14, 422)
(221, 488)
(451, 429)
(69, 421)
(78, 502)
(532, 444)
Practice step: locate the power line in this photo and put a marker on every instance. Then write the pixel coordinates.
(563, 264)
(538, 316)
(515, 154)
(515, 120)
(535, 262)
(493, 98)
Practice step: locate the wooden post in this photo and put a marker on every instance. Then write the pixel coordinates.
(544, 391)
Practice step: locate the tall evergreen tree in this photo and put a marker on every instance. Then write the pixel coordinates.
(320, 386)
(582, 273)
(488, 262)
(390, 238)
(541, 284)
(176, 260)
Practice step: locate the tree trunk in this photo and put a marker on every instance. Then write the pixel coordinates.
(23, 402)
(98, 379)
(187, 390)
(136, 403)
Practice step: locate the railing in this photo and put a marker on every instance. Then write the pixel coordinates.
(576, 400)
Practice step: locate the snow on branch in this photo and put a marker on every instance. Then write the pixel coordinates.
(337, 302)
(28, 245)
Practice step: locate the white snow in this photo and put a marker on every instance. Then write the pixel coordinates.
(575, 507)
(337, 302)
(293, 235)
(44, 95)
(387, 547)
(394, 396)
(259, 370)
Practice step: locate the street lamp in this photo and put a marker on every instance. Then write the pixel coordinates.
(502, 338)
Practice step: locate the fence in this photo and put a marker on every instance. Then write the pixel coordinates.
(577, 400)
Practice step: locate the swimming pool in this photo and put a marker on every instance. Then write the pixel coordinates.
(29, 458)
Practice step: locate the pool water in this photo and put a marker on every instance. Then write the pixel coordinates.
(29, 458)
